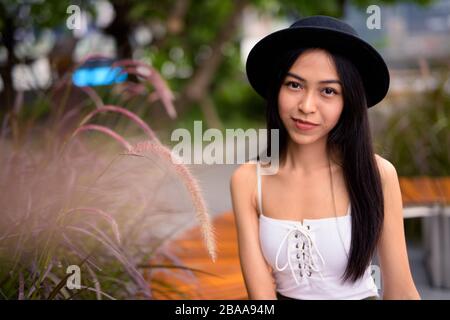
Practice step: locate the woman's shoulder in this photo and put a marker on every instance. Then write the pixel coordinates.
(386, 168)
(244, 174)
(243, 185)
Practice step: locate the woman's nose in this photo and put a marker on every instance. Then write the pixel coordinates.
(307, 104)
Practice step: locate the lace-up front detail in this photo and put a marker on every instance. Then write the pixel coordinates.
(303, 256)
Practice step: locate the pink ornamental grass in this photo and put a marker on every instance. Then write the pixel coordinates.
(142, 148)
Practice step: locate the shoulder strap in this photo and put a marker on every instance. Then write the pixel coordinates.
(258, 175)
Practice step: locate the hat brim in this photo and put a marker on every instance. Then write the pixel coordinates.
(263, 59)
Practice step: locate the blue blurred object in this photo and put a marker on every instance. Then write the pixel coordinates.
(98, 72)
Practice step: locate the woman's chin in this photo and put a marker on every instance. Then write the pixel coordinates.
(304, 139)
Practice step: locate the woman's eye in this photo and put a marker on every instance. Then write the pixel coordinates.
(329, 91)
(293, 85)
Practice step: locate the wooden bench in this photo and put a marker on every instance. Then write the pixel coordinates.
(428, 198)
(227, 282)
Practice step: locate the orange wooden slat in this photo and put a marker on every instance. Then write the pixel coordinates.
(189, 248)
(419, 191)
(443, 186)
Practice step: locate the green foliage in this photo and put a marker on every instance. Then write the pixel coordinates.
(417, 137)
(366, 3)
(39, 14)
(416, 140)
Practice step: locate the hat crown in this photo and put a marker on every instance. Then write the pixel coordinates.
(324, 22)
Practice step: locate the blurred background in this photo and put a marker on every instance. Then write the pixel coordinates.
(185, 61)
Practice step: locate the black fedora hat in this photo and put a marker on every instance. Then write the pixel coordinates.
(323, 32)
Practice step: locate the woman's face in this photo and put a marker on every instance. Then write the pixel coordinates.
(311, 91)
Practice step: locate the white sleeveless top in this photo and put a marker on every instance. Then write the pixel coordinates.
(308, 259)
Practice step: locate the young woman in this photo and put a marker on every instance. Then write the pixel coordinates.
(310, 230)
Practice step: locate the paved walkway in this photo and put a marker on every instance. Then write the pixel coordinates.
(215, 182)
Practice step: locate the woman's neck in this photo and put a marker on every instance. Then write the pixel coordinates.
(306, 158)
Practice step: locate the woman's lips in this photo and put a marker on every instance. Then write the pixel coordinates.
(302, 125)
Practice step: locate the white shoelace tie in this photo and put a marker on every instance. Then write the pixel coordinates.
(304, 247)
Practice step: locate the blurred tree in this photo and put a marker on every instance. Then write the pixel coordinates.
(207, 32)
(195, 43)
(20, 19)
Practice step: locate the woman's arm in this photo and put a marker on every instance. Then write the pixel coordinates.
(394, 265)
(257, 277)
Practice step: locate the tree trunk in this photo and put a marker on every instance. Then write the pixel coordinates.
(196, 89)
(7, 94)
(210, 112)
(120, 29)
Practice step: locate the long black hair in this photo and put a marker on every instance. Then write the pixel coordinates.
(351, 138)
